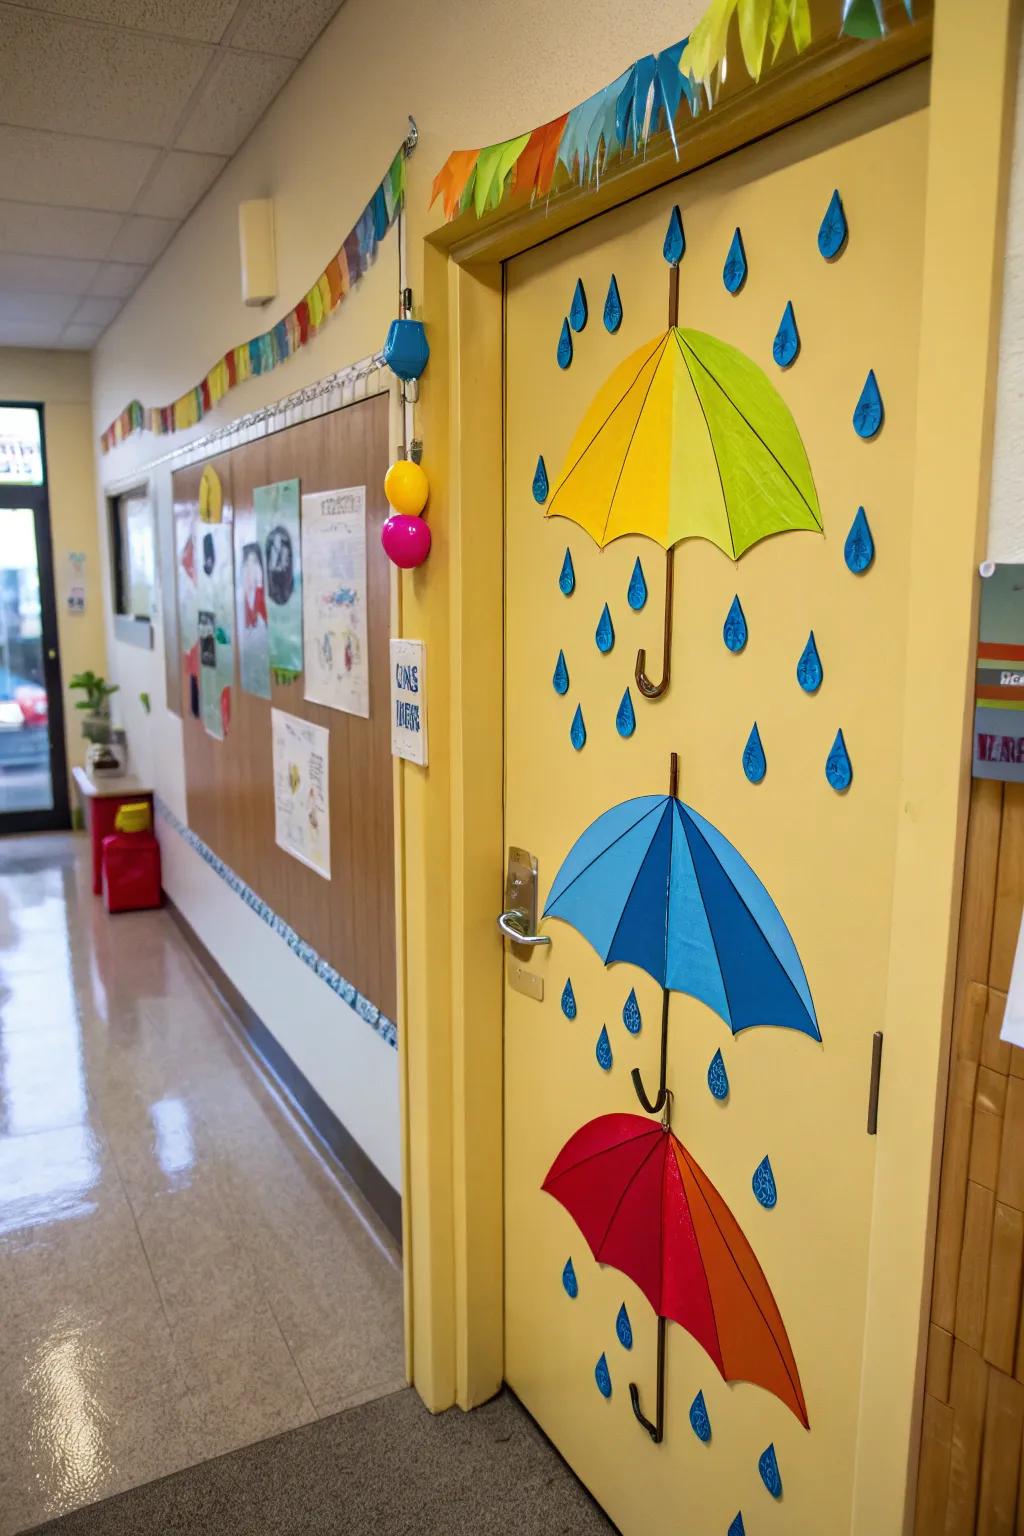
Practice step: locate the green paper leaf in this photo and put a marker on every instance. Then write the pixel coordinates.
(754, 16)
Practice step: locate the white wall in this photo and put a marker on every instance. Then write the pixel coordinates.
(1006, 511)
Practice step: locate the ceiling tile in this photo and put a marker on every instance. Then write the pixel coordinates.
(45, 274)
(284, 26)
(28, 333)
(35, 230)
(40, 309)
(139, 239)
(240, 89)
(77, 173)
(118, 279)
(95, 80)
(97, 311)
(80, 338)
(179, 182)
(200, 20)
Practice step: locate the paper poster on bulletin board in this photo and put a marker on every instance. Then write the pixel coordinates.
(188, 639)
(334, 599)
(277, 525)
(302, 822)
(215, 598)
(999, 683)
(251, 624)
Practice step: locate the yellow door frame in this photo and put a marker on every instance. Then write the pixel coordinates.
(450, 845)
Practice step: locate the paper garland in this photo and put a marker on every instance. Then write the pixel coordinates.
(265, 352)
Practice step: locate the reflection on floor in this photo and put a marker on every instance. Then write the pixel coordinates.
(180, 1273)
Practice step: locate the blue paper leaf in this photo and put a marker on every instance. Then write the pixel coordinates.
(755, 764)
(569, 1281)
(568, 999)
(631, 1013)
(833, 231)
(768, 1466)
(604, 634)
(603, 1050)
(578, 311)
(540, 482)
(734, 630)
(718, 1078)
(838, 768)
(612, 307)
(636, 594)
(625, 715)
(603, 1377)
(578, 731)
(734, 273)
(699, 1421)
(869, 412)
(564, 352)
(737, 1528)
(560, 676)
(631, 107)
(674, 248)
(763, 1185)
(786, 346)
(567, 576)
(859, 549)
(808, 669)
(623, 1328)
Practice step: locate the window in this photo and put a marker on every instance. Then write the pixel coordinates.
(21, 446)
(133, 555)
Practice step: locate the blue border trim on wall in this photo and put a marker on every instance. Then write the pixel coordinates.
(367, 1011)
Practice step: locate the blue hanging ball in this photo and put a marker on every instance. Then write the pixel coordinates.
(674, 248)
(755, 764)
(636, 593)
(763, 1185)
(603, 1050)
(625, 716)
(604, 634)
(699, 1421)
(718, 1078)
(869, 413)
(786, 345)
(838, 768)
(808, 669)
(406, 350)
(859, 549)
(623, 1328)
(734, 273)
(567, 577)
(734, 630)
(768, 1466)
(737, 1528)
(612, 307)
(540, 482)
(569, 1281)
(560, 677)
(631, 1013)
(564, 352)
(833, 230)
(603, 1377)
(568, 999)
(578, 731)
(578, 308)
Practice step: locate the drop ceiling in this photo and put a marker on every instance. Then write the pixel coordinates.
(116, 116)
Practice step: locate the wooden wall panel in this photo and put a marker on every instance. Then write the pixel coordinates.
(351, 919)
(971, 1472)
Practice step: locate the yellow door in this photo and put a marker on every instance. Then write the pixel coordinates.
(824, 855)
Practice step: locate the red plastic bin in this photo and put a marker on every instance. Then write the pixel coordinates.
(131, 872)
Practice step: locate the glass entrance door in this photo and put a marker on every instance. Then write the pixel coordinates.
(33, 773)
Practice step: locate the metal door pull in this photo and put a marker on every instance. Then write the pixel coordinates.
(519, 919)
(509, 923)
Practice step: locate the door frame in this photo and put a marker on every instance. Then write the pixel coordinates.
(37, 497)
(450, 848)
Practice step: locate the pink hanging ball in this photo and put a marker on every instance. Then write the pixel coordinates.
(406, 540)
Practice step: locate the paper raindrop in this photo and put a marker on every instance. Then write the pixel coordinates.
(625, 715)
(768, 1466)
(636, 593)
(568, 999)
(631, 1013)
(603, 1050)
(567, 576)
(578, 308)
(734, 630)
(838, 768)
(674, 248)
(737, 1528)
(612, 307)
(755, 764)
(718, 1078)
(564, 353)
(734, 273)
(786, 345)
(833, 230)
(623, 1328)
(603, 1377)
(699, 1421)
(763, 1185)
(859, 549)
(569, 1281)
(578, 731)
(560, 677)
(540, 482)
(604, 634)
(869, 413)
(808, 668)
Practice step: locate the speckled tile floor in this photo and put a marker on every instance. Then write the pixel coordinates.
(181, 1274)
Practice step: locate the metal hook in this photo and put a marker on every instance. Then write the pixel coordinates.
(412, 138)
(647, 688)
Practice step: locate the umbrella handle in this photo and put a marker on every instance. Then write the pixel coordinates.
(647, 688)
(657, 1429)
(658, 1105)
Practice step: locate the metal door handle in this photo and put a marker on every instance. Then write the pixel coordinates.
(509, 923)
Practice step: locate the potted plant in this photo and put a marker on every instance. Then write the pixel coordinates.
(107, 751)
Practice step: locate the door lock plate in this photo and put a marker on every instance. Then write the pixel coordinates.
(522, 979)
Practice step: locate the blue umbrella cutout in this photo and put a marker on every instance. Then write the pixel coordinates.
(652, 884)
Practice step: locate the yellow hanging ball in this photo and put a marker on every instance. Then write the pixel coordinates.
(406, 487)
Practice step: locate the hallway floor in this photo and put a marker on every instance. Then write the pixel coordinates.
(181, 1274)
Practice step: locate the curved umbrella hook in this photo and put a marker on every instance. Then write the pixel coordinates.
(658, 1104)
(657, 1429)
(647, 688)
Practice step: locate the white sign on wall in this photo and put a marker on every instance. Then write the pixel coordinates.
(302, 819)
(409, 701)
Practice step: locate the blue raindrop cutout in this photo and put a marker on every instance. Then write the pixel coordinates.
(734, 273)
(540, 481)
(564, 353)
(560, 676)
(604, 634)
(636, 593)
(569, 1281)
(838, 768)
(859, 549)
(869, 413)
(578, 731)
(631, 1013)
(699, 1421)
(763, 1185)
(603, 1050)
(755, 764)
(734, 630)
(833, 230)
(737, 1528)
(674, 248)
(718, 1077)
(768, 1466)
(786, 346)
(568, 999)
(578, 308)
(624, 1328)
(808, 669)
(625, 715)
(567, 576)
(603, 1377)
(612, 307)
